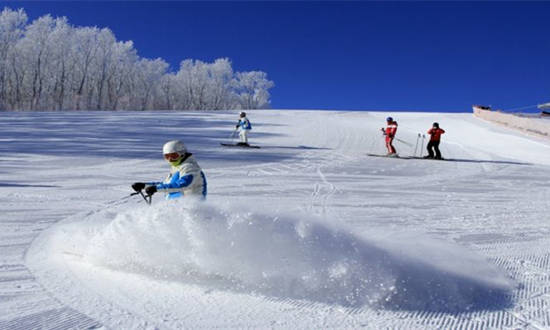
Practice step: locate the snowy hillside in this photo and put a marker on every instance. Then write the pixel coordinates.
(306, 232)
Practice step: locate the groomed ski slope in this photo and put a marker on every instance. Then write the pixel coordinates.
(306, 232)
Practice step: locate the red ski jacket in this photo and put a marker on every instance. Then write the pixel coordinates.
(391, 129)
(435, 133)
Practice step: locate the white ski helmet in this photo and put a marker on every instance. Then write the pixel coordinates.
(174, 146)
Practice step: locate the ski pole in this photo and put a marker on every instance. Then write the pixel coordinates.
(404, 142)
(147, 198)
(118, 201)
(422, 146)
(416, 146)
(233, 135)
(383, 136)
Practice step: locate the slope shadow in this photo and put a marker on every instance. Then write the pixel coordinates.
(486, 161)
(4, 184)
(508, 162)
(300, 147)
(437, 291)
(123, 135)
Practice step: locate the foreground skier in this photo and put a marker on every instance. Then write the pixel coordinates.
(435, 138)
(185, 178)
(389, 132)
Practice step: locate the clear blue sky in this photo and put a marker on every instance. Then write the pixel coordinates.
(434, 56)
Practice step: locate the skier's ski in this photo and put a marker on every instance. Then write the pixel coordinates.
(427, 158)
(240, 145)
(406, 157)
(386, 156)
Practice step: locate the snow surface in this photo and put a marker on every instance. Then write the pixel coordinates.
(306, 232)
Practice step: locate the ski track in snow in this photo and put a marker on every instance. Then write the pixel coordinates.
(404, 216)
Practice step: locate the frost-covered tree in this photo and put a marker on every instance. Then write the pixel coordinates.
(36, 53)
(205, 85)
(12, 24)
(253, 89)
(124, 56)
(52, 65)
(63, 63)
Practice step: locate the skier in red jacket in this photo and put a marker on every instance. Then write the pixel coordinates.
(389, 132)
(435, 137)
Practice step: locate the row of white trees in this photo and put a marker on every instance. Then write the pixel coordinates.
(52, 65)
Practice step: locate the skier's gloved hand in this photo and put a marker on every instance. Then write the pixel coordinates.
(151, 190)
(237, 126)
(138, 186)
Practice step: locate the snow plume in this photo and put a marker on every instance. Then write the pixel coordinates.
(284, 256)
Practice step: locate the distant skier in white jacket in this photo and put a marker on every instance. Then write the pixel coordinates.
(243, 126)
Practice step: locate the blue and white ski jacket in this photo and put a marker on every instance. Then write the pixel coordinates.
(185, 179)
(244, 124)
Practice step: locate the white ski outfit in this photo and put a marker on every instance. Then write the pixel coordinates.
(244, 126)
(185, 178)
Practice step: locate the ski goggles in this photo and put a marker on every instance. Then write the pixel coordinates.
(172, 156)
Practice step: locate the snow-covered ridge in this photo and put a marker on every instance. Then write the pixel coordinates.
(531, 125)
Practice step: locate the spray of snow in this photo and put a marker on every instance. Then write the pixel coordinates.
(286, 256)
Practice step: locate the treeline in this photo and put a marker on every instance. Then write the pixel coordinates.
(52, 65)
